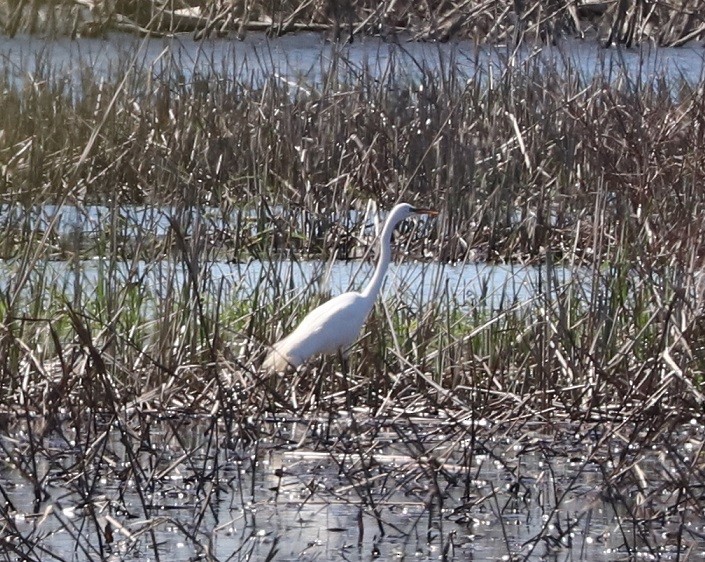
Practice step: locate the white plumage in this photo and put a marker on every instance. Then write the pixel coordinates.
(335, 325)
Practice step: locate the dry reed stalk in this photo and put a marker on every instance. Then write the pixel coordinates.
(149, 373)
(616, 22)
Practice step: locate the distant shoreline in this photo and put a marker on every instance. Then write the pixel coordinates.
(611, 22)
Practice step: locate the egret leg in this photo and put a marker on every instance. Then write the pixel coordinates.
(345, 366)
(349, 398)
(317, 392)
(344, 363)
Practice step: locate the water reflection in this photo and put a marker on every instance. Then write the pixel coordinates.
(185, 497)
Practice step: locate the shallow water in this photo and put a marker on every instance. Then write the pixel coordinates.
(467, 284)
(491, 287)
(530, 497)
(305, 57)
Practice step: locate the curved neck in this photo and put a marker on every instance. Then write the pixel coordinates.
(385, 256)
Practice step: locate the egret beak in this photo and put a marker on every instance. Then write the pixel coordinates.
(424, 211)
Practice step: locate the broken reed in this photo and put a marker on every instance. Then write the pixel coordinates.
(614, 22)
(526, 165)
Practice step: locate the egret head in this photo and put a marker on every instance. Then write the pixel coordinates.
(404, 210)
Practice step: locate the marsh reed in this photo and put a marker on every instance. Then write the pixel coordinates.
(612, 22)
(161, 180)
(124, 197)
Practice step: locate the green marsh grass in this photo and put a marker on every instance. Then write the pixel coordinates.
(106, 329)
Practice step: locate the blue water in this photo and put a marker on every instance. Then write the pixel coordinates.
(302, 59)
(466, 284)
(493, 287)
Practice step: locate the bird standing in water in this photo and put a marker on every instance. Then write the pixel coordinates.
(335, 325)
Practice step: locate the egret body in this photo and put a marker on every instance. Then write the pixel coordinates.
(335, 325)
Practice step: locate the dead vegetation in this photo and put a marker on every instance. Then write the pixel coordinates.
(627, 22)
(128, 362)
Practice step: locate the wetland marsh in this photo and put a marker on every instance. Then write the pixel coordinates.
(529, 386)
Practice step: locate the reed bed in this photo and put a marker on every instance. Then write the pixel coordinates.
(612, 22)
(124, 198)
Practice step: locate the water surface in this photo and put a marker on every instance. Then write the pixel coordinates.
(305, 57)
(320, 500)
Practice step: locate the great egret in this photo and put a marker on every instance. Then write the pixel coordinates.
(335, 325)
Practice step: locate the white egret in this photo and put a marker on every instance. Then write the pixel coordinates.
(335, 325)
